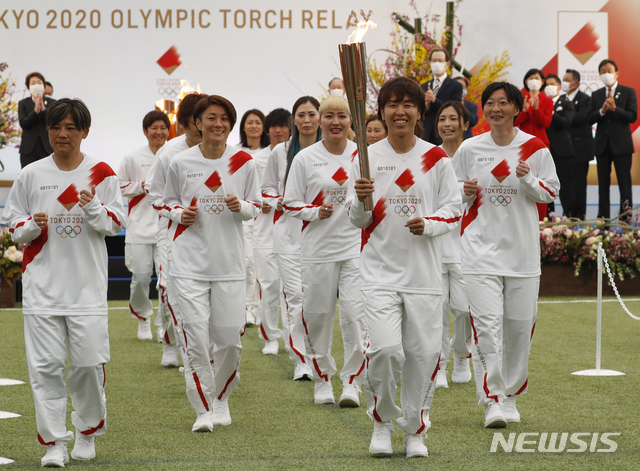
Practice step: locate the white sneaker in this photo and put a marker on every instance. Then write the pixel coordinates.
(414, 446)
(270, 347)
(203, 423)
(85, 447)
(441, 379)
(511, 414)
(170, 356)
(381, 439)
(350, 396)
(250, 318)
(494, 416)
(302, 373)
(181, 370)
(159, 334)
(323, 393)
(144, 330)
(56, 457)
(221, 415)
(461, 370)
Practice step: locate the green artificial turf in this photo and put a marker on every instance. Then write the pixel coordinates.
(276, 425)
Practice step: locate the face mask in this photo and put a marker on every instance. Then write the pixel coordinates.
(464, 93)
(566, 86)
(37, 89)
(438, 68)
(534, 85)
(338, 92)
(608, 79)
(551, 90)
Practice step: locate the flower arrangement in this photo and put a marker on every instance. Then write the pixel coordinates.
(569, 242)
(12, 254)
(10, 132)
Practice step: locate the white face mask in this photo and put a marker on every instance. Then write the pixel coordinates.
(338, 92)
(608, 79)
(37, 89)
(534, 84)
(464, 93)
(438, 68)
(551, 90)
(565, 86)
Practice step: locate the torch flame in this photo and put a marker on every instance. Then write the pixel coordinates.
(361, 30)
(185, 90)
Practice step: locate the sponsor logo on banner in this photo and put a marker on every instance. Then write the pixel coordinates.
(583, 41)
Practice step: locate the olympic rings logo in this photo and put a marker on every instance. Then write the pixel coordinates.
(337, 199)
(405, 211)
(169, 92)
(214, 209)
(68, 231)
(500, 200)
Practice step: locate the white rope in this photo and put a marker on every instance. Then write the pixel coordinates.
(613, 284)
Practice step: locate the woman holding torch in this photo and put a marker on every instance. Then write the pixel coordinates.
(415, 199)
(316, 191)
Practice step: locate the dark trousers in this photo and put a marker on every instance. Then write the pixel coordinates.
(579, 173)
(563, 169)
(38, 152)
(623, 172)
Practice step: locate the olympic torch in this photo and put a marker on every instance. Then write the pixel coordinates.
(353, 60)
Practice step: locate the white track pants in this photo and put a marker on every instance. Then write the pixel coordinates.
(454, 297)
(46, 340)
(290, 274)
(252, 288)
(405, 331)
(269, 281)
(503, 314)
(139, 259)
(211, 312)
(320, 284)
(164, 319)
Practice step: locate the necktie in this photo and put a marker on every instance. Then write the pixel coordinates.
(610, 94)
(436, 86)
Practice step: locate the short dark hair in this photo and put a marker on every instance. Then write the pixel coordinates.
(575, 74)
(278, 117)
(531, 72)
(34, 74)
(374, 117)
(555, 77)
(336, 78)
(49, 83)
(400, 88)
(605, 62)
(67, 106)
(439, 49)
(186, 107)
(264, 138)
(513, 94)
(153, 116)
(212, 100)
(463, 79)
(460, 109)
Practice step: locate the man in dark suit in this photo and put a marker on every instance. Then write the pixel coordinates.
(582, 139)
(560, 140)
(440, 89)
(32, 115)
(614, 107)
(471, 107)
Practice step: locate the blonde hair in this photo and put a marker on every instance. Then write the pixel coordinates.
(337, 103)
